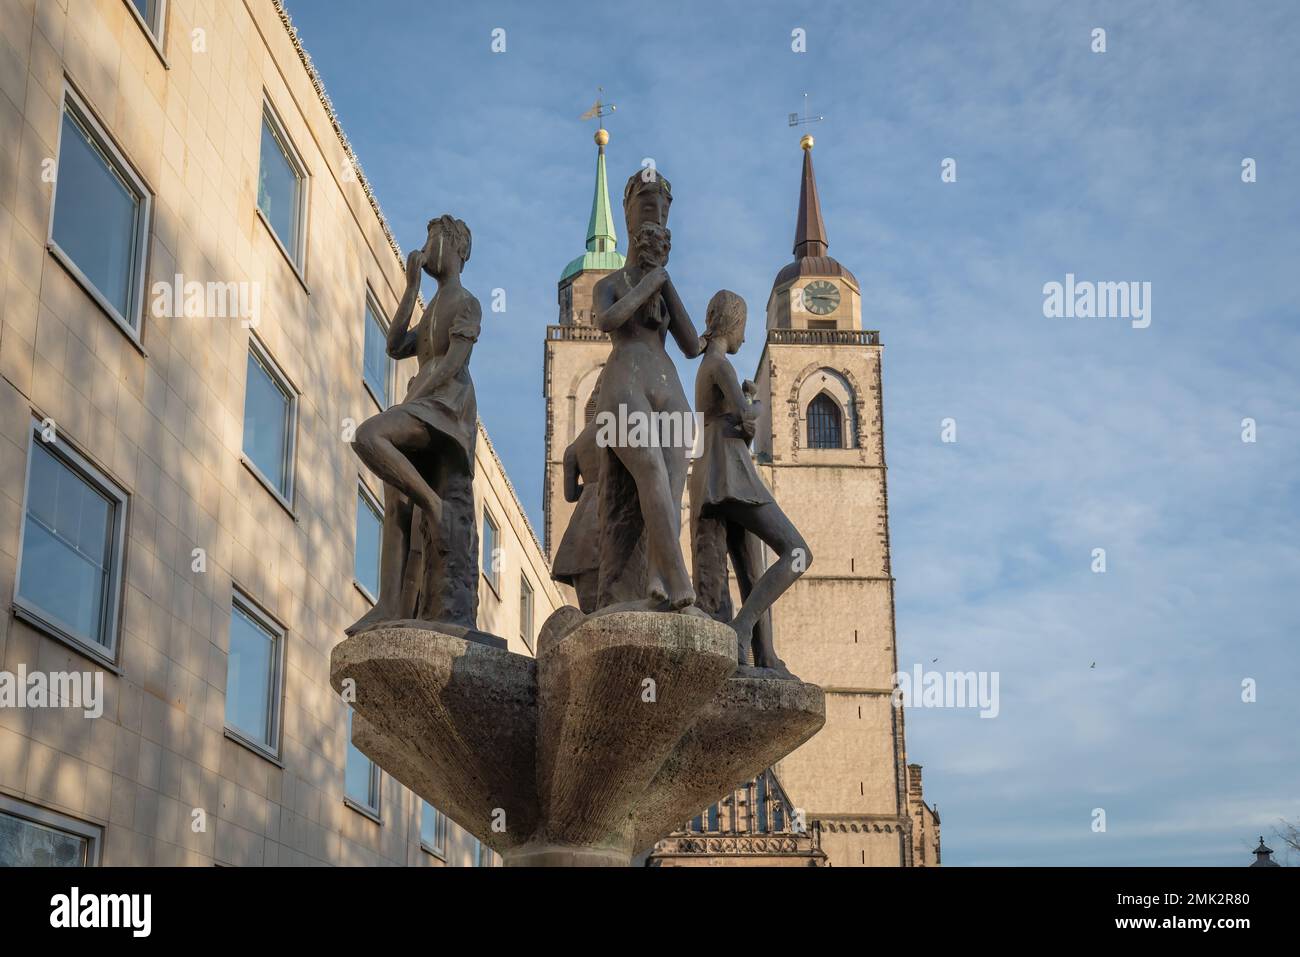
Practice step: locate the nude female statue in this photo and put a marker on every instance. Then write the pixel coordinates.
(638, 307)
(423, 447)
(731, 509)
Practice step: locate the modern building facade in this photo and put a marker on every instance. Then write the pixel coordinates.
(195, 280)
(820, 448)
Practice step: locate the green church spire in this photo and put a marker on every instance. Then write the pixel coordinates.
(600, 231)
(602, 242)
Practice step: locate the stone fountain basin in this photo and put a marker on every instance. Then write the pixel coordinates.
(615, 735)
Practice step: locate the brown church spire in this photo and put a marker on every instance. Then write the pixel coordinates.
(810, 231)
(810, 255)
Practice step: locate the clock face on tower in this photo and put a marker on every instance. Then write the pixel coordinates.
(821, 297)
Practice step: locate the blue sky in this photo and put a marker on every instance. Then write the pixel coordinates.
(1072, 434)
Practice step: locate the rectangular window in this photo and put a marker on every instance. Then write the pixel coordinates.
(74, 529)
(526, 611)
(490, 558)
(100, 216)
(433, 829)
(360, 778)
(378, 368)
(32, 836)
(282, 187)
(253, 667)
(270, 419)
(151, 17)
(370, 522)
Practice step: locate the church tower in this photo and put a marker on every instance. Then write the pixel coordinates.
(575, 352)
(820, 447)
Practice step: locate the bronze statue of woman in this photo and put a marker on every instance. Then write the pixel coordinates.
(642, 482)
(731, 510)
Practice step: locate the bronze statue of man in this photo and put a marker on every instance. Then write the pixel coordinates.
(642, 482)
(423, 447)
(732, 511)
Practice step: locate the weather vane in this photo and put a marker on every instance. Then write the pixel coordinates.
(796, 120)
(599, 108)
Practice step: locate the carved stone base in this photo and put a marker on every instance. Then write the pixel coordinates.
(617, 733)
(566, 855)
(442, 628)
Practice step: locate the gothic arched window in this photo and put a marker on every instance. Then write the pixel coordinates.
(589, 412)
(825, 430)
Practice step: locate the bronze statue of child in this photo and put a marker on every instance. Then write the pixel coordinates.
(731, 509)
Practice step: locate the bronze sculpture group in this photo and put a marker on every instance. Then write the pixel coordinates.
(622, 549)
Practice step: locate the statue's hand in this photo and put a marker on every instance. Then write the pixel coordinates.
(654, 279)
(749, 388)
(414, 263)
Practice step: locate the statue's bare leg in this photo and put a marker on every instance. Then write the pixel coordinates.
(677, 464)
(661, 515)
(747, 559)
(385, 442)
(770, 524)
(747, 553)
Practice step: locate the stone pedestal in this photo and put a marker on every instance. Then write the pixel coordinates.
(615, 735)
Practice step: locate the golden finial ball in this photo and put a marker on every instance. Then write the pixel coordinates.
(602, 136)
(806, 142)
